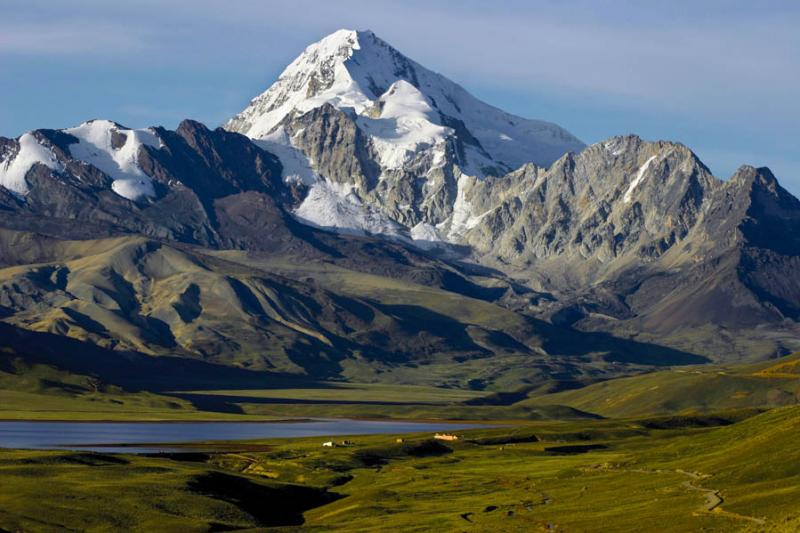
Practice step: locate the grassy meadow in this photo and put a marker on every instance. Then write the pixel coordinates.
(706, 448)
(738, 472)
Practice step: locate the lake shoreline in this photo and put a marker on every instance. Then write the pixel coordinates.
(266, 421)
(144, 437)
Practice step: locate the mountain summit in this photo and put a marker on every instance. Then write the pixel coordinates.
(384, 142)
(402, 106)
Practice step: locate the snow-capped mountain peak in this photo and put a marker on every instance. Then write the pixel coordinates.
(359, 71)
(403, 133)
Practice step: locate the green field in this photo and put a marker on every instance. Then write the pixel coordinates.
(598, 475)
(687, 390)
(710, 448)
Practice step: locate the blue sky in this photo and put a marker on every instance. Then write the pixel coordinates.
(723, 77)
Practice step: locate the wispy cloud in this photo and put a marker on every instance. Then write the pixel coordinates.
(59, 38)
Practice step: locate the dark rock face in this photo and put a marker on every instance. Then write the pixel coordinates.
(770, 229)
(213, 164)
(337, 146)
(772, 217)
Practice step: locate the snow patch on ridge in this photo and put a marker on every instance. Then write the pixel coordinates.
(463, 217)
(406, 124)
(14, 169)
(96, 147)
(331, 206)
(296, 165)
(637, 180)
(425, 236)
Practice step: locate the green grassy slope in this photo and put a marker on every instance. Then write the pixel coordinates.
(688, 390)
(45, 491)
(754, 463)
(137, 295)
(142, 316)
(42, 392)
(551, 476)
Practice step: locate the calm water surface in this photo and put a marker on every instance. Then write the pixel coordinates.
(97, 436)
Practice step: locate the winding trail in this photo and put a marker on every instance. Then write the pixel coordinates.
(714, 499)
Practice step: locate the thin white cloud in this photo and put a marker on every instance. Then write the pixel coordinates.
(70, 38)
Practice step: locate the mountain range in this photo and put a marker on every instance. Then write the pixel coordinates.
(366, 218)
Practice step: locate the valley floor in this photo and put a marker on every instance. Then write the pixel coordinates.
(734, 471)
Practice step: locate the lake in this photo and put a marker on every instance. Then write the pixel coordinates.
(154, 437)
